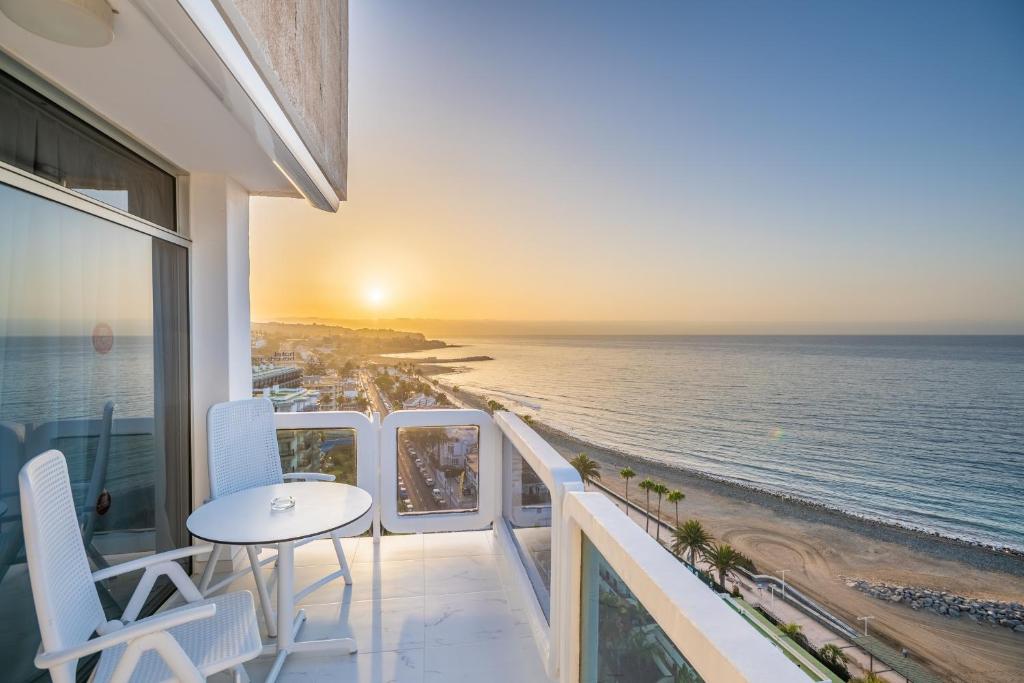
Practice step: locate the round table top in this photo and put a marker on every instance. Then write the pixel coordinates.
(245, 517)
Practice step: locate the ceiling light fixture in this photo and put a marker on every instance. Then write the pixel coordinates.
(79, 23)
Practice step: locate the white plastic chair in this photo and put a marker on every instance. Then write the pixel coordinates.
(242, 452)
(188, 643)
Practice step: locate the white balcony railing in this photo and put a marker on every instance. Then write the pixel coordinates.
(558, 478)
(565, 547)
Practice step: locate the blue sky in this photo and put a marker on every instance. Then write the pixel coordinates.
(833, 162)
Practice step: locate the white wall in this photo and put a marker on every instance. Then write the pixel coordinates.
(221, 360)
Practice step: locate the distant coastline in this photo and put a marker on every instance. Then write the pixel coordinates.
(434, 360)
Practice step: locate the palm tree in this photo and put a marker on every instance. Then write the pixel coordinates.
(868, 678)
(661, 490)
(691, 538)
(724, 559)
(796, 634)
(589, 469)
(675, 497)
(791, 630)
(627, 473)
(833, 655)
(648, 485)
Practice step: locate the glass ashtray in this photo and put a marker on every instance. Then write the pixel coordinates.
(282, 503)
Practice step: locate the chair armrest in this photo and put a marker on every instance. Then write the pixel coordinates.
(308, 476)
(149, 560)
(154, 624)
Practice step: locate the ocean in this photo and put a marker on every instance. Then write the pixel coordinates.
(925, 432)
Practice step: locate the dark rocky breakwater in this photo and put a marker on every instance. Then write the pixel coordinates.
(1007, 614)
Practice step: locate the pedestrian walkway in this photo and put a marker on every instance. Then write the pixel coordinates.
(817, 634)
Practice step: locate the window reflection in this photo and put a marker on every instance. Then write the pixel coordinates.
(93, 362)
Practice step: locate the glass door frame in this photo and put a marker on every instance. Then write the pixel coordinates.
(22, 180)
(47, 190)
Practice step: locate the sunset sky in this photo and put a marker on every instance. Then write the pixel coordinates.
(690, 162)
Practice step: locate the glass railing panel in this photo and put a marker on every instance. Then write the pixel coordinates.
(438, 469)
(326, 451)
(619, 640)
(527, 512)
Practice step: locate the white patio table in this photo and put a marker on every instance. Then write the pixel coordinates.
(247, 518)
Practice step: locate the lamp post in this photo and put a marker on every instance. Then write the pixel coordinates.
(783, 572)
(871, 655)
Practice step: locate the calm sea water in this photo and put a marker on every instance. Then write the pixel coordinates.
(927, 432)
(63, 380)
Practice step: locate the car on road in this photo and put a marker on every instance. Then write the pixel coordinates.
(430, 481)
(408, 506)
(419, 461)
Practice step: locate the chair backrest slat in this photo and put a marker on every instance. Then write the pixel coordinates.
(67, 604)
(242, 446)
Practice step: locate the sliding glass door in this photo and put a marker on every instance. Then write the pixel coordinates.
(94, 363)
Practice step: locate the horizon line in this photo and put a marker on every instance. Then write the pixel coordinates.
(490, 326)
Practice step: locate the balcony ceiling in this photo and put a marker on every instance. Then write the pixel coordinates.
(161, 83)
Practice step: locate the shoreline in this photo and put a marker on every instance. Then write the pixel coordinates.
(988, 556)
(976, 553)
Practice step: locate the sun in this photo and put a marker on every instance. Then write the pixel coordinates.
(375, 296)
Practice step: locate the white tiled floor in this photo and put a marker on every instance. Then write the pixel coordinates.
(422, 608)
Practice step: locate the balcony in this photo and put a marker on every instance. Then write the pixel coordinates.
(422, 607)
(501, 568)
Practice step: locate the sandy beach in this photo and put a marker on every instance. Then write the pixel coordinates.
(819, 547)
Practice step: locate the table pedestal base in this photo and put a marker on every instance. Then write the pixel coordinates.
(288, 632)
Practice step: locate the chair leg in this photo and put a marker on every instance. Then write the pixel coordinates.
(211, 564)
(240, 675)
(261, 588)
(342, 562)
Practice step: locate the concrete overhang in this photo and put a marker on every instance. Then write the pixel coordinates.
(177, 80)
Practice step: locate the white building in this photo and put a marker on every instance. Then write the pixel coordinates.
(454, 453)
(419, 402)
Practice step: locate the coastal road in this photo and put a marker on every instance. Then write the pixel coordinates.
(373, 394)
(420, 494)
